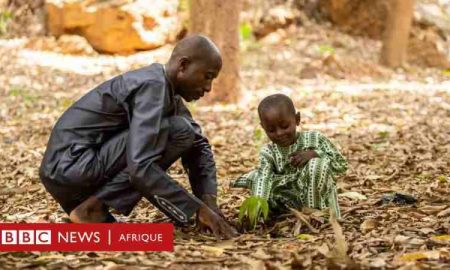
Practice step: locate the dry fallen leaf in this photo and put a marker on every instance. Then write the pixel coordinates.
(430, 255)
(442, 238)
(378, 263)
(353, 195)
(444, 213)
(215, 251)
(368, 225)
(261, 255)
(51, 257)
(252, 263)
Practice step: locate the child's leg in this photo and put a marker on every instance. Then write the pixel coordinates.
(320, 189)
(333, 201)
(245, 181)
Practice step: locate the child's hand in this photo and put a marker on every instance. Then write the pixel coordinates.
(251, 211)
(300, 158)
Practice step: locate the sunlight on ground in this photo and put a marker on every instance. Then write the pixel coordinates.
(394, 133)
(92, 65)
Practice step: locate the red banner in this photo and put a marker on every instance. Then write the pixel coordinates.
(86, 237)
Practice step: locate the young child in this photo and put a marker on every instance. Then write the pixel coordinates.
(297, 168)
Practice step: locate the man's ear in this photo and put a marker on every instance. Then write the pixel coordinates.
(297, 118)
(183, 63)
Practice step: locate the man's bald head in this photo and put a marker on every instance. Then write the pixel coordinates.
(196, 47)
(195, 62)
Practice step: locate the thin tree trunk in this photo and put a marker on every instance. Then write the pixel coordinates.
(219, 20)
(395, 43)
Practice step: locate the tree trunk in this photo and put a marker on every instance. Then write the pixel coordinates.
(395, 43)
(219, 20)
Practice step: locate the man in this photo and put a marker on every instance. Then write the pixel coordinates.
(114, 145)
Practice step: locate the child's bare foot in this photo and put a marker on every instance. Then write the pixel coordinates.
(90, 211)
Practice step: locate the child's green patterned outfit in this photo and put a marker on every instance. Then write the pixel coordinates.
(312, 185)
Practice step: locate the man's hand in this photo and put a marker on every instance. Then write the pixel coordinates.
(300, 158)
(211, 201)
(211, 220)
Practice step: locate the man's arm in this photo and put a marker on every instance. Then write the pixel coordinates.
(199, 160)
(147, 140)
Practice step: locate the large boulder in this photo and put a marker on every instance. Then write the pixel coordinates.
(358, 17)
(427, 46)
(368, 17)
(113, 26)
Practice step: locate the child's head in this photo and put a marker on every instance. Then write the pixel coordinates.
(194, 63)
(279, 119)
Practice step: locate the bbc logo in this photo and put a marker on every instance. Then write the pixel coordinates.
(26, 237)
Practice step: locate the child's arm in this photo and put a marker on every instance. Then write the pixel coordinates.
(327, 148)
(314, 144)
(300, 158)
(262, 182)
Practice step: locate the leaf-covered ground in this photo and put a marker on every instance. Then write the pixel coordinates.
(393, 126)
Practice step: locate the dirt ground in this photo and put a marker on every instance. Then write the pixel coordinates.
(392, 125)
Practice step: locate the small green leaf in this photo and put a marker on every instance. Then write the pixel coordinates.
(258, 134)
(304, 236)
(265, 208)
(5, 17)
(243, 211)
(252, 209)
(17, 91)
(380, 146)
(442, 179)
(246, 32)
(183, 5)
(66, 102)
(326, 49)
(383, 134)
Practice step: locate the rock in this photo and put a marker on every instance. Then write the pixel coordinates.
(433, 14)
(367, 18)
(280, 16)
(426, 48)
(361, 17)
(75, 45)
(309, 72)
(65, 44)
(350, 68)
(115, 26)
